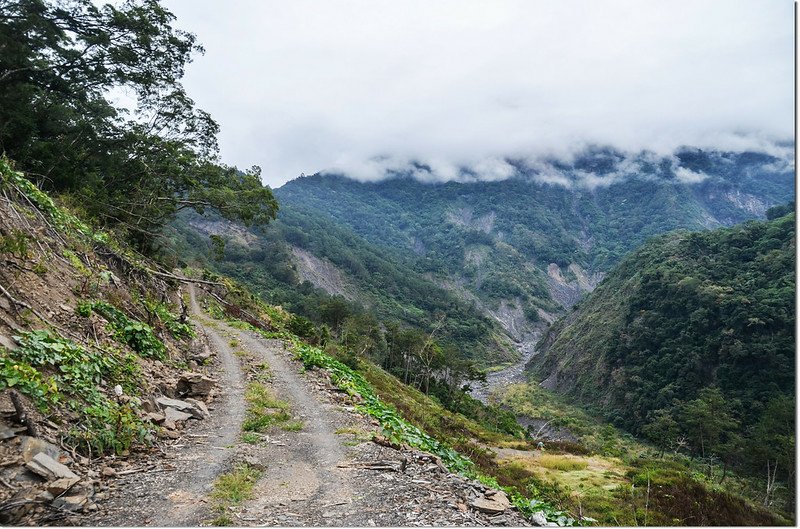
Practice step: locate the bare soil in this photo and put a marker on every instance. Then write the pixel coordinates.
(329, 473)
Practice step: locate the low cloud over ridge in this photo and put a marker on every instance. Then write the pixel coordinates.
(357, 86)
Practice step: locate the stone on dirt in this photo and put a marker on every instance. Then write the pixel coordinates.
(199, 410)
(174, 416)
(492, 502)
(155, 417)
(194, 384)
(31, 446)
(6, 432)
(49, 468)
(60, 486)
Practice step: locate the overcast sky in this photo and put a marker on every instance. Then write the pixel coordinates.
(361, 86)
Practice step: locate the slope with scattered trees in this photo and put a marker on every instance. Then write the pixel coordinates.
(690, 342)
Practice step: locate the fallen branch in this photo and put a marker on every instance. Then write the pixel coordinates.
(22, 413)
(377, 465)
(184, 279)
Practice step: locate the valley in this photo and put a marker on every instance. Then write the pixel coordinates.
(538, 267)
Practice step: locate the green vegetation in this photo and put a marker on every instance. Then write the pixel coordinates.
(231, 489)
(690, 342)
(137, 335)
(264, 409)
(56, 371)
(130, 170)
(604, 472)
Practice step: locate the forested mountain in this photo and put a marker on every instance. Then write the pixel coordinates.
(485, 255)
(589, 211)
(690, 341)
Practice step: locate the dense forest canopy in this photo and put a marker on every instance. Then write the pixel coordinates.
(690, 342)
(61, 62)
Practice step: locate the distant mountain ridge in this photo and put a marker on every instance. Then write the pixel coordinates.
(500, 239)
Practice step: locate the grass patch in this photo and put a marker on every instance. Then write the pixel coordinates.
(264, 409)
(251, 438)
(562, 463)
(232, 489)
(236, 486)
(292, 426)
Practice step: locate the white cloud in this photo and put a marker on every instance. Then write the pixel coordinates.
(687, 176)
(361, 86)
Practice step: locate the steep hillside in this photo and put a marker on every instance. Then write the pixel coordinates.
(690, 341)
(305, 263)
(499, 238)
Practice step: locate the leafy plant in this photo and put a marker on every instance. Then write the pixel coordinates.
(50, 369)
(137, 335)
(162, 313)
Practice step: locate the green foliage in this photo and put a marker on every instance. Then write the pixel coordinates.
(15, 243)
(396, 428)
(61, 219)
(128, 169)
(180, 330)
(26, 379)
(691, 338)
(135, 334)
(52, 370)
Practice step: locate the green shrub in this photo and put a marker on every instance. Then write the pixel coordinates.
(135, 334)
(50, 370)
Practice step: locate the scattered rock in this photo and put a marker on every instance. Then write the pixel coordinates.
(253, 462)
(173, 416)
(195, 384)
(538, 518)
(108, 472)
(493, 502)
(31, 446)
(6, 432)
(70, 503)
(60, 486)
(49, 468)
(166, 402)
(199, 410)
(150, 405)
(156, 417)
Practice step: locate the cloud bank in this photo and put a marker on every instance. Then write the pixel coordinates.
(362, 87)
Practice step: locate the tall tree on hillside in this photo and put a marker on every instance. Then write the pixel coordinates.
(707, 420)
(60, 63)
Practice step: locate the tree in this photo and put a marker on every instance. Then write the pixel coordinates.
(772, 446)
(59, 60)
(707, 419)
(662, 430)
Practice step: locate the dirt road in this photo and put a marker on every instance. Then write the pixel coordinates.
(308, 477)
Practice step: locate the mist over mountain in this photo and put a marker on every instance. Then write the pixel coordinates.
(590, 166)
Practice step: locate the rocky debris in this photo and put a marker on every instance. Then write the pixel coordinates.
(173, 417)
(47, 467)
(178, 411)
(31, 446)
(202, 353)
(199, 409)
(155, 417)
(194, 384)
(60, 486)
(7, 432)
(492, 502)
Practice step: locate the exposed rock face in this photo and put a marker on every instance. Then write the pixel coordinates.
(321, 273)
(465, 217)
(566, 291)
(194, 385)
